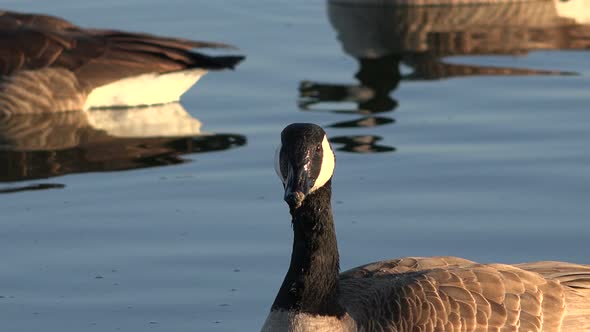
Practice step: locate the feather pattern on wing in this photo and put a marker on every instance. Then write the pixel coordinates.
(48, 64)
(30, 42)
(454, 294)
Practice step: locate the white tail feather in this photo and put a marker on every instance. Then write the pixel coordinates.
(147, 89)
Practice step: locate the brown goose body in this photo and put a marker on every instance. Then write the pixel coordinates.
(49, 64)
(455, 294)
(442, 294)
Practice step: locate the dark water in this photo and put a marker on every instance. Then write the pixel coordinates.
(464, 140)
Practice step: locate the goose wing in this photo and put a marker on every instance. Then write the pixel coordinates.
(98, 57)
(576, 281)
(450, 294)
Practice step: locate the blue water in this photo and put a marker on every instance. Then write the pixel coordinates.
(490, 168)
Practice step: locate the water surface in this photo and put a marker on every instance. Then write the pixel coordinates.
(457, 141)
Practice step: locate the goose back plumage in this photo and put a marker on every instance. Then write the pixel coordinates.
(454, 294)
(58, 61)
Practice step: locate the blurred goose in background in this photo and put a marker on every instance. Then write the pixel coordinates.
(48, 64)
(383, 35)
(406, 294)
(396, 41)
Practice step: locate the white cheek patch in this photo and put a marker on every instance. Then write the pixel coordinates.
(328, 164)
(278, 164)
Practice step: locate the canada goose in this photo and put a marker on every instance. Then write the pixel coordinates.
(48, 64)
(406, 294)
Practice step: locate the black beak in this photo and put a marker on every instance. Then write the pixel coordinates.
(297, 186)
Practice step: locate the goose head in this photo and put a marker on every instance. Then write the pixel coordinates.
(304, 161)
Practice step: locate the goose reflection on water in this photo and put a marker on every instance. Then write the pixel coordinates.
(361, 144)
(35, 146)
(383, 35)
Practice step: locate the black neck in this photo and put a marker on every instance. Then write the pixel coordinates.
(311, 284)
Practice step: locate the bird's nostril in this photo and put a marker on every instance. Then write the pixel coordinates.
(294, 199)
